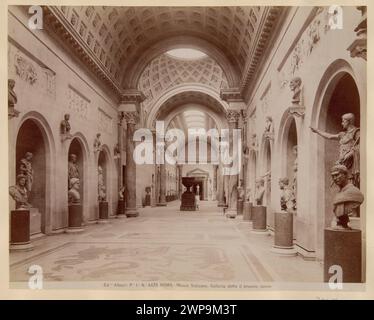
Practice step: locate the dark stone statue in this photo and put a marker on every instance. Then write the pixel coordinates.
(347, 200)
(349, 149)
(19, 192)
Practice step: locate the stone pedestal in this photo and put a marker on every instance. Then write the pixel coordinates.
(75, 218)
(103, 212)
(247, 211)
(147, 200)
(283, 234)
(239, 206)
(20, 230)
(343, 248)
(259, 219)
(188, 202)
(121, 209)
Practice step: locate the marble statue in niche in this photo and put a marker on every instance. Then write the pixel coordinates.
(349, 149)
(101, 184)
(65, 127)
(260, 191)
(121, 193)
(73, 170)
(295, 86)
(117, 151)
(287, 199)
(97, 143)
(19, 192)
(73, 193)
(269, 128)
(12, 99)
(347, 200)
(26, 169)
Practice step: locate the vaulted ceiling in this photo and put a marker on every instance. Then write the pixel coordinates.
(119, 42)
(165, 72)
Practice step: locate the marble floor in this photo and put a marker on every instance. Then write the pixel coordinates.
(164, 244)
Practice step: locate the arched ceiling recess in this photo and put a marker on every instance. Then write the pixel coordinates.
(165, 72)
(228, 65)
(112, 40)
(174, 102)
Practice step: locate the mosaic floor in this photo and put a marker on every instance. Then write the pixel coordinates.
(164, 244)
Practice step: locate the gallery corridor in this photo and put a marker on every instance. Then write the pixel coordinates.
(165, 244)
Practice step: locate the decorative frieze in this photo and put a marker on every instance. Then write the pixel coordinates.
(307, 41)
(24, 67)
(77, 103)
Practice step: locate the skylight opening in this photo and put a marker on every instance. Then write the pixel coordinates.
(186, 54)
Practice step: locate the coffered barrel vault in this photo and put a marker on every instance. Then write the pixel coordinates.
(118, 42)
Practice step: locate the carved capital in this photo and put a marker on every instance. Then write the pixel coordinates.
(233, 116)
(131, 117)
(121, 116)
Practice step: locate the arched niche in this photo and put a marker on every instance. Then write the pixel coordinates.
(31, 138)
(342, 96)
(252, 172)
(104, 162)
(290, 152)
(76, 147)
(267, 171)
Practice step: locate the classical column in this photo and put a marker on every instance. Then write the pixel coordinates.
(154, 180)
(162, 201)
(220, 188)
(120, 146)
(131, 120)
(215, 177)
(231, 177)
(180, 185)
(236, 105)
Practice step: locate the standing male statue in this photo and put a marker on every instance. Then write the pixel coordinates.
(12, 99)
(101, 185)
(349, 150)
(260, 190)
(26, 169)
(347, 200)
(73, 170)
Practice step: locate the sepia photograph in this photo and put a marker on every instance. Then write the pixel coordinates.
(195, 148)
